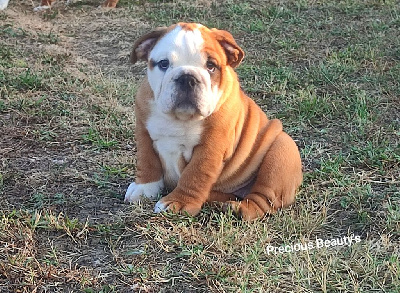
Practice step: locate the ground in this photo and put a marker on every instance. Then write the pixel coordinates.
(330, 70)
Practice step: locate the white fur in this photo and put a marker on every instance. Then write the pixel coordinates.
(41, 8)
(3, 4)
(184, 50)
(173, 139)
(150, 190)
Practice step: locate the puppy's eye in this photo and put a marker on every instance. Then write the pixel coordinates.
(211, 66)
(163, 64)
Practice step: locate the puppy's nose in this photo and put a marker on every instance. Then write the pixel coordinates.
(187, 81)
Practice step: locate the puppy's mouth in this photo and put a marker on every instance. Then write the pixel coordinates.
(187, 97)
(187, 110)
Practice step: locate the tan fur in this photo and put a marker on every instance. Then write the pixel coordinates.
(239, 146)
(149, 168)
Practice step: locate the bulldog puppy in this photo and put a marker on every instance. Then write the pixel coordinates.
(199, 136)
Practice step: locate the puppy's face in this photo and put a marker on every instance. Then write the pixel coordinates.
(183, 76)
(186, 64)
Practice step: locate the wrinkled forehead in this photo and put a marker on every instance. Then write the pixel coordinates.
(183, 45)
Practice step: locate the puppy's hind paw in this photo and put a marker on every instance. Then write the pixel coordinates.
(246, 209)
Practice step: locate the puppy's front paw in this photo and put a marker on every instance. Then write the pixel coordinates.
(150, 190)
(171, 203)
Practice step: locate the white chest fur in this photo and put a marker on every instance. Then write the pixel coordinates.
(173, 140)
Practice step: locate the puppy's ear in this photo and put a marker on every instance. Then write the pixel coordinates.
(234, 53)
(143, 46)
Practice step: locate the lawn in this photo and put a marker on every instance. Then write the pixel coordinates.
(330, 70)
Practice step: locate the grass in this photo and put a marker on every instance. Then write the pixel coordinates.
(329, 70)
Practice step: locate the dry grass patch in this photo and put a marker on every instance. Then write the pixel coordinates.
(329, 70)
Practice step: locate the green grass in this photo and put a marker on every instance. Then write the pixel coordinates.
(329, 70)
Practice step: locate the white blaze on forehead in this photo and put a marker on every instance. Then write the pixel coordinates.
(180, 47)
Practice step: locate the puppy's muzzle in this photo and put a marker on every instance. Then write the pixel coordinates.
(188, 88)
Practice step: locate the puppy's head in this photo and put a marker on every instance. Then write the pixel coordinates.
(186, 65)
